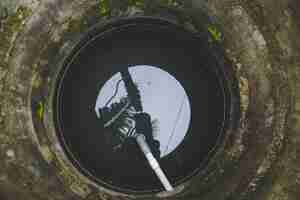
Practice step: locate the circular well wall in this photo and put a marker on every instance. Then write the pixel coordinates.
(103, 52)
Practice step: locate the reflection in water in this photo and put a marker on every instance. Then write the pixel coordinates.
(163, 98)
(91, 78)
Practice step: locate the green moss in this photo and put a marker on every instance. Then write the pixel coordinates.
(104, 7)
(70, 179)
(137, 3)
(17, 20)
(76, 25)
(10, 26)
(14, 22)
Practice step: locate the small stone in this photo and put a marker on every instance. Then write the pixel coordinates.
(3, 177)
(46, 153)
(269, 121)
(238, 11)
(10, 153)
(261, 170)
(252, 184)
(35, 171)
(258, 37)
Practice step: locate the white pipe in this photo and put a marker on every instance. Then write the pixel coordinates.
(141, 140)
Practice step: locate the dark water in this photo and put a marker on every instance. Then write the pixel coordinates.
(175, 51)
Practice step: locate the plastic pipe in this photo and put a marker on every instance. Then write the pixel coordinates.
(141, 140)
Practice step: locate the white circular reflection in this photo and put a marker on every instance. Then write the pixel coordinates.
(163, 98)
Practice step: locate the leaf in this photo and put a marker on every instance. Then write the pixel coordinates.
(40, 110)
(215, 33)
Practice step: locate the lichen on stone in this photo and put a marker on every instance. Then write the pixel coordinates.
(10, 26)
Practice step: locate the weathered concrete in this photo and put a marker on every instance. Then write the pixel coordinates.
(260, 37)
